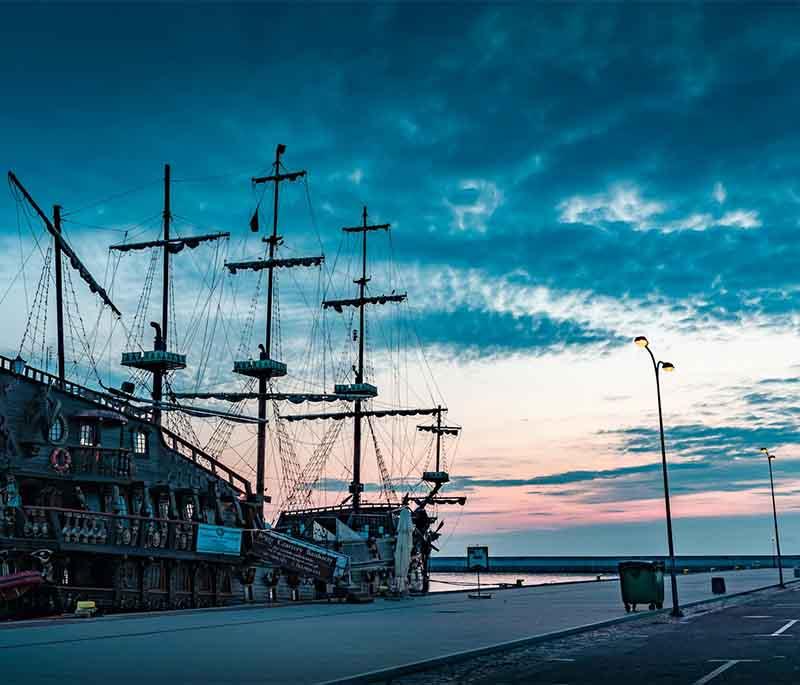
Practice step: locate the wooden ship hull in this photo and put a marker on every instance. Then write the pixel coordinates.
(109, 507)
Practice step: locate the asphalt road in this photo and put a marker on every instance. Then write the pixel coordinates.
(754, 641)
(310, 643)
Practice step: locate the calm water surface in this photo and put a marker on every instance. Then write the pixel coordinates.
(443, 581)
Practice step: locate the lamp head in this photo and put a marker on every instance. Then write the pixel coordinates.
(641, 341)
(667, 366)
(763, 450)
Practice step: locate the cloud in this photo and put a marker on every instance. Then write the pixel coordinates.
(625, 205)
(740, 218)
(568, 477)
(622, 203)
(477, 202)
(693, 222)
(485, 333)
(356, 176)
(719, 194)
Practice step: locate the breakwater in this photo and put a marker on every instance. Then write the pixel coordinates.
(609, 564)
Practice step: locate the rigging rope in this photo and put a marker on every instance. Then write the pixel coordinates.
(304, 489)
(38, 310)
(386, 480)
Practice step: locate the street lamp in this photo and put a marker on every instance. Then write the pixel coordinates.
(641, 341)
(770, 457)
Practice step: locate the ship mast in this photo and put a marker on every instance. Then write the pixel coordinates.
(62, 375)
(265, 367)
(361, 390)
(61, 247)
(273, 241)
(356, 487)
(161, 338)
(160, 360)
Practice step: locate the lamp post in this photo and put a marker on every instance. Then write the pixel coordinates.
(641, 341)
(770, 457)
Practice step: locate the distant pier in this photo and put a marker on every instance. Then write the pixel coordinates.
(601, 564)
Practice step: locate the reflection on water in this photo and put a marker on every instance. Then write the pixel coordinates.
(442, 581)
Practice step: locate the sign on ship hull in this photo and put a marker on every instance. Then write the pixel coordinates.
(299, 556)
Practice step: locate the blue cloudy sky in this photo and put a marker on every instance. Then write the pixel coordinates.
(560, 179)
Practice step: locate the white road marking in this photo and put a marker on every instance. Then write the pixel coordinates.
(566, 661)
(788, 625)
(721, 669)
(756, 616)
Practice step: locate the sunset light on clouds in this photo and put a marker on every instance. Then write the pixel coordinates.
(554, 192)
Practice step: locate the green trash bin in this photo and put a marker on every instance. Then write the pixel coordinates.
(642, 582)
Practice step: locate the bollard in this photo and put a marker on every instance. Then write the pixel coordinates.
(718, 585)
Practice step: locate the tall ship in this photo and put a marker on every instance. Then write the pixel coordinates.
(148, 490)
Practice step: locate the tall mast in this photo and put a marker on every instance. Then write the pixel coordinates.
(61, 247)
(360, 391)
(362, 284)
(165, 279)
(273, 242)
(438, 477)
(438, 437)
(265, 367)
(159, 360)
(261, 464)
(161, 336)
(357, 487)
(59, 296)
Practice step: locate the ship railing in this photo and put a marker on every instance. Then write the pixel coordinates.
(338, 508)
(204, 460)
(99, 529)
(102, 461)
(38, 376)
(178, 444)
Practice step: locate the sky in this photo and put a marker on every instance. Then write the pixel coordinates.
(559, 177)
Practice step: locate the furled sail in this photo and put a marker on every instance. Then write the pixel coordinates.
(378, 413)
(259, 264)
(174, 245)
(360, 301)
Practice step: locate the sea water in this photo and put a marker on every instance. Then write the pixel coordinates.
(443, 581)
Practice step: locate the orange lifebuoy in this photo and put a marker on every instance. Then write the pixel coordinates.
(61, 460)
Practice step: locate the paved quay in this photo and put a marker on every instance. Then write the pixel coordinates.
(310, 643)
(754, 640)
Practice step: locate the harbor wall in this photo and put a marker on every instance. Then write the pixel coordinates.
(609, 564)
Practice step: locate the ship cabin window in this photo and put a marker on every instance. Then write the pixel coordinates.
(56, 433)
(87, 436)
(139, 442)
(188, 511)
